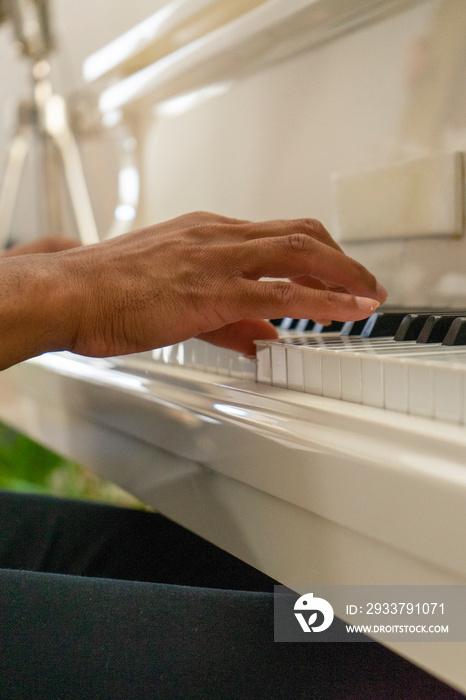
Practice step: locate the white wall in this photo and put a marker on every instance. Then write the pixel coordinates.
(269, 147)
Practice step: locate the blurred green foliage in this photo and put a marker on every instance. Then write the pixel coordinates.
(24, 465)
(28, 467)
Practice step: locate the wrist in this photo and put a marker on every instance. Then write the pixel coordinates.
(36, 308)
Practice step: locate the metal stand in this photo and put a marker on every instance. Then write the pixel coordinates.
(45, 116)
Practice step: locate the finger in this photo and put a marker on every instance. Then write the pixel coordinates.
(240, 336)
(309, 227)
(323, 321)
(313, 283)
(298, 255)
(285, 299)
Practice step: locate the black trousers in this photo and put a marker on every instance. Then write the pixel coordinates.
(103, 603)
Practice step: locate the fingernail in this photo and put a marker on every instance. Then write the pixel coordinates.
(368, 305)
(381, 291)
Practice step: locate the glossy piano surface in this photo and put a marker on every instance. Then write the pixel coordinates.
(306, 488)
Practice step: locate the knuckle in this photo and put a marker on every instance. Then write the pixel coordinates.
(283, 293)
(298, 243)
(328, 298)
(200, 231)
(315, 228)
(202, 215)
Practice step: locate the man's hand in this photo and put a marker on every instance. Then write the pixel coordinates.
(197, 275)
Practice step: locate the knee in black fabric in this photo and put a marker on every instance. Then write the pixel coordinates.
(42, 533)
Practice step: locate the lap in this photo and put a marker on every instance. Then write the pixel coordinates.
(102, 602)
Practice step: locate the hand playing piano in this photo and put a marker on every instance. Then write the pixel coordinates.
(196, 275)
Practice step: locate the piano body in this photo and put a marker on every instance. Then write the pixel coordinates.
(353, 113)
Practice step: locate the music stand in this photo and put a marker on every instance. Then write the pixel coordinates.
(45, 116)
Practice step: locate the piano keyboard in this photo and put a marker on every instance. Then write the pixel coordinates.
(413, 363)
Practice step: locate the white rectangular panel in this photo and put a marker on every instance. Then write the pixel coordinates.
(415, 198)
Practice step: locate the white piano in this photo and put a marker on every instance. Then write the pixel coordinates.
(352, 112)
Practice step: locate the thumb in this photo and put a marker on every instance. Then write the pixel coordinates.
(240, 336)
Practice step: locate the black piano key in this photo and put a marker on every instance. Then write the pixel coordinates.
(435, 328)
(382, 324)
(333, 327)
(395, 321)
(315, 327)
(411, 326)
(353, 327)
(456, 334)
(287, 324)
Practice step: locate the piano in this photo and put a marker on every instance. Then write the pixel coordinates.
(336, 456)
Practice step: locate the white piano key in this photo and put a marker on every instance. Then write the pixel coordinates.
(248, 367)
(396, 384)
(350, 351)
(223, 361)
(396, 373)
(312, 371)
(351, 380)
(419, 380)
(448, 371)
(211, 358)
(278, 356)
(200, 353)
(375, 385)
(235, 365)
(170, 354)
(420, 389)
(427, 396)
(242, 366)
(448, 389)
(464, 397)
(331, 373)
(188, 353)
(264, 362)
(294, 367)
(157, 355)
(195, 353)
(372, 381)
(180, 355)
